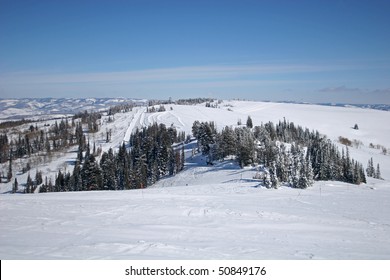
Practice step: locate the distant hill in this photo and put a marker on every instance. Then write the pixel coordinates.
(38, 108)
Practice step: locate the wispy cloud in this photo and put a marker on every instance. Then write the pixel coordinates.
(344, 89)
(340, 89)
(249, 80)
(345, 94)
(385, 91)
(177, 74)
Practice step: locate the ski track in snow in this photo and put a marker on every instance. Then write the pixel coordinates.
(211, 212)
(204, 221)
(136, 122)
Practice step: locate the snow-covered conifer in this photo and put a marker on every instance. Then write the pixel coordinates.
(273, 176)
(249, 122)
(378, 174)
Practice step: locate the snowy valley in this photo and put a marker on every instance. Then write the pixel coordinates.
(218, 211)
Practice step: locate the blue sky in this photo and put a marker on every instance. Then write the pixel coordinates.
(311, 51)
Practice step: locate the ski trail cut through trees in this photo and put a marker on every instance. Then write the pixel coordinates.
(136, 122)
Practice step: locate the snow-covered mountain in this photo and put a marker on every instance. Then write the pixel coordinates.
(211, 212)
(39, 108)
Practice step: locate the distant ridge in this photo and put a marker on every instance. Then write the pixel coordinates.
(38, 108)
(382, 107)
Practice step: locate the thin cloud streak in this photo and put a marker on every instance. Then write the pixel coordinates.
(166, 74)
(340, 89)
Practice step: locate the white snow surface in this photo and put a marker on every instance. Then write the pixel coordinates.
(227, 220)
(212, 212)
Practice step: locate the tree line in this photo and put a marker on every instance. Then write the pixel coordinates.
(152, 155)
(289, 153)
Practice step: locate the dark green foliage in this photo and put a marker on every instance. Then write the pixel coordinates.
(321, 160)
(205, 133)
(9, 173)
(249, 122)
(108, 168)
(91, 174)
(194, 101)
(152, 155)
(15, 186)
(371, 171)
(56, 137)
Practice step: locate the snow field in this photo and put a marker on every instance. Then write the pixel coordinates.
(211, 212)
(224, 220)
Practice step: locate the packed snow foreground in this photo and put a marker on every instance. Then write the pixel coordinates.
(215, 211)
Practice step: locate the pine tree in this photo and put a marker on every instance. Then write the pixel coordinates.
(249, 123)
(245, 146)
(370, 168)
(29, 184)
(362, 175)
(15, 186)
(172, 163)
(183, 158)
(91, 174)
(107, 166)
(9, 174)
(273, 176)
(177, 161)
(303, 182)
(267, 180)
(38, 177)
(378, 172)
(309, 171)
(76, 178)
(206, 136)
(228, 142)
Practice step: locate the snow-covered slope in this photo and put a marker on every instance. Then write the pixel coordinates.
(39, 108)
(213, 212)
(217, 216)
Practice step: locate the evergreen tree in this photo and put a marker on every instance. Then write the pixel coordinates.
(29, 185)
(267, 180)
(38, 177)
(183, 159)
(273, 176)
(107, 166)
(309, 172)
(91, 174)
(15, 186)
(249, 123)
(172, 163)
(245, 146)
(378, 172)
(228, 142)
(76, 178)
(370, 168)
(303, 181)
(9, 174)
(206, 137)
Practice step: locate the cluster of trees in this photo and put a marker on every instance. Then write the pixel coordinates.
(152, 155)
(91, 119)
(211, 105)
(11, 124)
(194, 101)
(32, 185)
(153, 109)
(56, 137)
(289, 153)
(154, 102)
(371, 171)
(329, 164)
(124, 108)
(47, 139)
(34, 140)
(4, 148)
